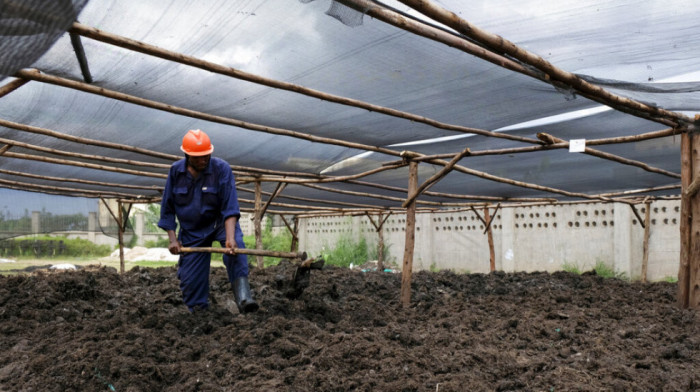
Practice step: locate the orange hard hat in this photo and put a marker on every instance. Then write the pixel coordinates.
(196, 143)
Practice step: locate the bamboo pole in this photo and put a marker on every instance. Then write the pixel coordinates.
(547, 138)
(4, 149)
(502, 45)
(645, 244)
(407, 269)
(151, 50)
(489, 235)
(257, 221)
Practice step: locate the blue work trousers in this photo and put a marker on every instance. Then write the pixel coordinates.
(194, 268)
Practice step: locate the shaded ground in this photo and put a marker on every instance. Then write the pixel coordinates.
(96, 330)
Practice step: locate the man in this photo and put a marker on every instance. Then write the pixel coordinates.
(201, 192)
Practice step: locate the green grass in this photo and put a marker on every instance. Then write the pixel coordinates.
(602, 269)
(571, 267)
(346, 252)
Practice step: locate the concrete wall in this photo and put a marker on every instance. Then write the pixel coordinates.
(535, 238)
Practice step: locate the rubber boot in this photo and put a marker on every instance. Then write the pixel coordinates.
(244, 299)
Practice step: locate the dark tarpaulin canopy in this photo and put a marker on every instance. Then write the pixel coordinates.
(430, 94)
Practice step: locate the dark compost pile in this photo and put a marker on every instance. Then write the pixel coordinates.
(96, 330)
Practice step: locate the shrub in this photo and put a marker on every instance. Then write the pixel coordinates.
(347, 252)
(48, 246)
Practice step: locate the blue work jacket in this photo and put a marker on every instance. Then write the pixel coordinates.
(202, 204)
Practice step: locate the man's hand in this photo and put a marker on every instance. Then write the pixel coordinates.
(231, 246)
(175, 245)
(230, 226)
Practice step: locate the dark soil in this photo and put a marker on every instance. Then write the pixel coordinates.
(96, 330)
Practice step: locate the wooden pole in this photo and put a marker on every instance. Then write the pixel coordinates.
(85, 156)
(64, 190)
(12, 86)
(121, 238)
(436, 177)
(645, 245)
(379, 227)
(694, 257)
(257, 221)
(685, 221)
(151, 50)
(294, 231)
(407, 270)
(154, 188)
(119, 218)
(611, 157)
(499, 44)
(88, 88)
(295, 235)
(83, 164)
(255, 252)
(274, 194)
(489, 235)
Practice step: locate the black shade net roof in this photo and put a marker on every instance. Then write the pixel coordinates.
(333, 98)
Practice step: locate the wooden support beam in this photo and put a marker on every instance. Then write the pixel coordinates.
(436, 177)
(489, 235)
(379, 228)
(693, 187)
(294, 231)
(611, 157)
(83, 164)
(636, 213)
(478, 215)
(88, 88)
(257, 222)
(499, 44)
(156, 188)
(488, 226)
(84, 156)
(63, 190)
(278, 190)
(151, 153)
(645, 244)
(407, 270)
(12, 86)
(689, 266)
(151, 50)
(119, 219)
(80, 54)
